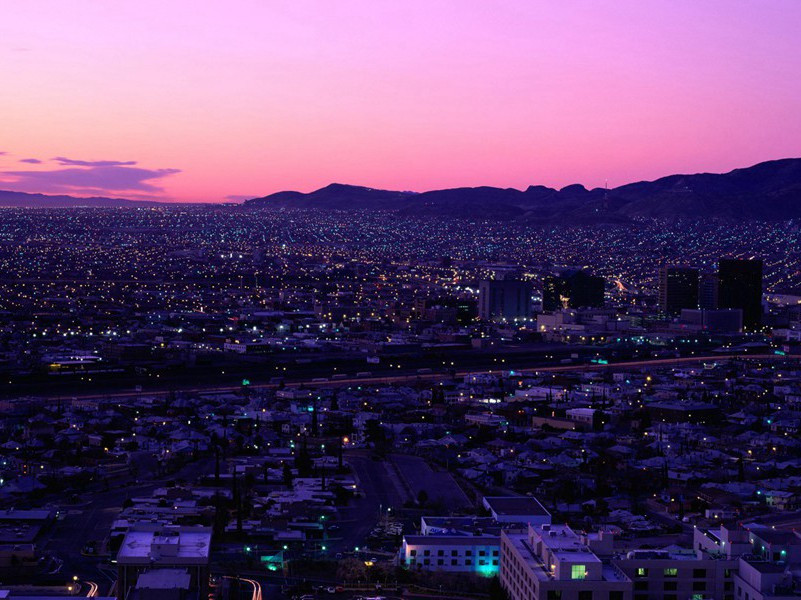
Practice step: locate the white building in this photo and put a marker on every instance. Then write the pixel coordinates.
(452, 553)
(551, 562)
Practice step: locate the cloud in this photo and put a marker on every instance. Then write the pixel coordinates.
(92, 163)
(3, 153)
(91, 178)
(32, 161)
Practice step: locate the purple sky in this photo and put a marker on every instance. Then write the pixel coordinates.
(192, 100)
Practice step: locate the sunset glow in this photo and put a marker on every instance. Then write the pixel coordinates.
(203, 101)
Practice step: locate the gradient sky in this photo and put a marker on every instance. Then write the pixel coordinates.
(203, 100)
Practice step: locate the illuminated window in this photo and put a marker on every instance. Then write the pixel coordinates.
(672, 572)
(578, 571)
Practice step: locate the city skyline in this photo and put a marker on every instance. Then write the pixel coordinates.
(221, 103)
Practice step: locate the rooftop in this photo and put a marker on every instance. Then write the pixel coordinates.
(515, 505)
(168, 545)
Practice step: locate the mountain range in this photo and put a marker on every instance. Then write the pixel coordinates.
(766, 191)
(769, 190)
(26, 200)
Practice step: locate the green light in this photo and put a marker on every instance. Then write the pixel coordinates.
(324, 548)
(246, 382)
(487, 570)
(247, 548)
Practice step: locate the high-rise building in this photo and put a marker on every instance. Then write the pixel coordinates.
(740, 286)
(505, 299)
(678, 289)
(708, 291)
(573, 289)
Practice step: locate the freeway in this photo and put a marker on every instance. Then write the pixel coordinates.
(92, 591)
(414, 377)
(255, 585)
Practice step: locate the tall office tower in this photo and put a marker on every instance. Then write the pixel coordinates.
(505, 299)
(740, 286)
(678, 289)
(708, 291)
(573, 289)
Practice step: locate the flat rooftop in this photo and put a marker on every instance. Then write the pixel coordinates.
(515, 505)
(170, 545)
(767, 567)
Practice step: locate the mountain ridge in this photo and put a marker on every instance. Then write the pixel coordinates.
(769, 190)
(12, 199)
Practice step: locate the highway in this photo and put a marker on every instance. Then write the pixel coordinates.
(414, 377)
(257, 594)
(93, 587)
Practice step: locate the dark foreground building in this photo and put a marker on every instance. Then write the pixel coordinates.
(740, 286)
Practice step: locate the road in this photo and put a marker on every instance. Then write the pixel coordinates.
(439, 486)
(381, 491)
(414, 377)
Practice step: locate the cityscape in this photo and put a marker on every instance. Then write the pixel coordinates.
(503, 385)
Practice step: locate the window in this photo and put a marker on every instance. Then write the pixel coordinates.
(440, 562)
(670, 597)
(454, 553)
(427, 552)
(454, 562)
(427, 561)
(671, 586)
(699, 586)
(495, 553)
(494, 562)
(671, 572)
(412, 552)
(616, 595)
(440, 552)
(641, 597)
(699, 573)
(468, 562)
(482, 553)
(468, 553)
(585, 595)
(578, 571)
(642, 572)
(698, 597)
(554, 594)
(641, 586)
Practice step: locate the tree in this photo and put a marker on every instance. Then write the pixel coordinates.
(375, 433)
(422, 497)
(303, 462)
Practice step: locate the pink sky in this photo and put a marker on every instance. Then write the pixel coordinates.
(218, 98)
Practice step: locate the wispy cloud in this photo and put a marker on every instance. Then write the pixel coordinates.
(32, 161)
(85, 179)
(71, 162)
